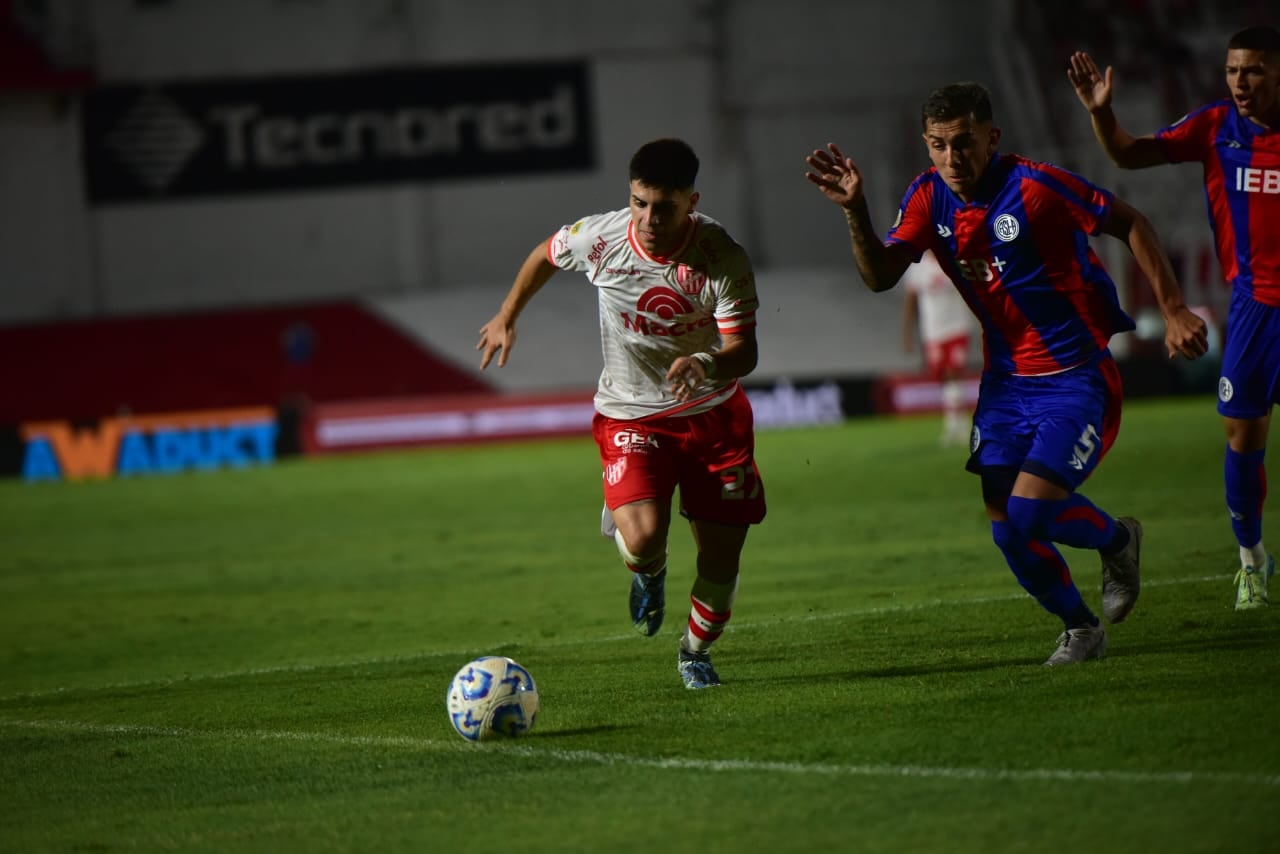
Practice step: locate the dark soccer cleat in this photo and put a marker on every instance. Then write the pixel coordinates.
(648, 602)
(1120, 578)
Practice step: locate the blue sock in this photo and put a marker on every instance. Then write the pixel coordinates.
(1074, 521)
(1043, 573)
(1246, 491)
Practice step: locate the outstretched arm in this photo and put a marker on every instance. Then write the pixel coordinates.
(1185, 331)
(500, 332)
(1093, 88)
(840, 181)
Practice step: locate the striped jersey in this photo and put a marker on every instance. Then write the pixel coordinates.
(1019, 254)
(1241, 162)
(654, 310)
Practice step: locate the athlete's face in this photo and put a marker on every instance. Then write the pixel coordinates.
(1254, 80)
(660, 216)
(961, 149)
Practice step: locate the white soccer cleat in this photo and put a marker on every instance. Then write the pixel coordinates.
(1079, 644)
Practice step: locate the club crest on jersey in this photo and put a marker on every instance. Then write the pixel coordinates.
(1225, 389)
(1006, 227)
(690, 280)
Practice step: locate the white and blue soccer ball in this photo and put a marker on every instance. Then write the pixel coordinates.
(492, 697)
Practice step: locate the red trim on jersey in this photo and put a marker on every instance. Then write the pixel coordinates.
(640, 250)
(740, 323)
(667, 413)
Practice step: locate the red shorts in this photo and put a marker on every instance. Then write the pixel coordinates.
(947, 356)
(710, 456)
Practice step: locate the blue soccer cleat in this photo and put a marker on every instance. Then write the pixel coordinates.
(696, 670)
(648, 601)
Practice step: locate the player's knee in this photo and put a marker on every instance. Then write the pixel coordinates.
(997, 484)
(648, 551)
(1031, 517)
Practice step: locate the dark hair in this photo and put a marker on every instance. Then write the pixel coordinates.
(957, 101)
(1265, 39)
(668, 164)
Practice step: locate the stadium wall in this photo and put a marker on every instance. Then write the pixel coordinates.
(740, 80)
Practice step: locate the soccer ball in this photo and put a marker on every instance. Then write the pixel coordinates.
(492, 697)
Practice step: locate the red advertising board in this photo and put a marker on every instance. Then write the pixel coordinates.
(403, 422)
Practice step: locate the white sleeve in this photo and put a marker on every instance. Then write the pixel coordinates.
(578, 246)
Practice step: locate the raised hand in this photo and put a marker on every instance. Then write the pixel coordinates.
(1092, 86)
(499, 334)
(836, 176)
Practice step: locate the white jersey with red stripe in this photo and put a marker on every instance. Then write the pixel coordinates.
(654, 310)
(943, 312)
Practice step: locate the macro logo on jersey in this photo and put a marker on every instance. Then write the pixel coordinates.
(667, 305)
(690, 279)
(1006, 227)
(663, 302)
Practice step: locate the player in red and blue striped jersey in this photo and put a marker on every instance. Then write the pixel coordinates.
(1013, 236)
(1237, 142)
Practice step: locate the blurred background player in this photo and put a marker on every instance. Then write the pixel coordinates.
(677, 303)
(935, 312)
(1014, 233)
(1237, 142)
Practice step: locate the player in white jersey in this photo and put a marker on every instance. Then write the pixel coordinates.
(935, 308)
(677, 303)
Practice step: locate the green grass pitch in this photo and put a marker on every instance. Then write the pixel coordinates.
(257, 661)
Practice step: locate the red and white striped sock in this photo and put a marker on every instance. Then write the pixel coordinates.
(711, 608)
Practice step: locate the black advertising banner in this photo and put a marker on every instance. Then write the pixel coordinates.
(218, 137)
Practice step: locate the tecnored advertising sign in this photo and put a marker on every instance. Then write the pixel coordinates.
(214, 137)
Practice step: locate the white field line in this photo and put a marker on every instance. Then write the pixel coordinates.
(285, 669)
(676, 763)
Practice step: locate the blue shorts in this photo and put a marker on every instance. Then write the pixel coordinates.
(1058, 427)
(1250, 381)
